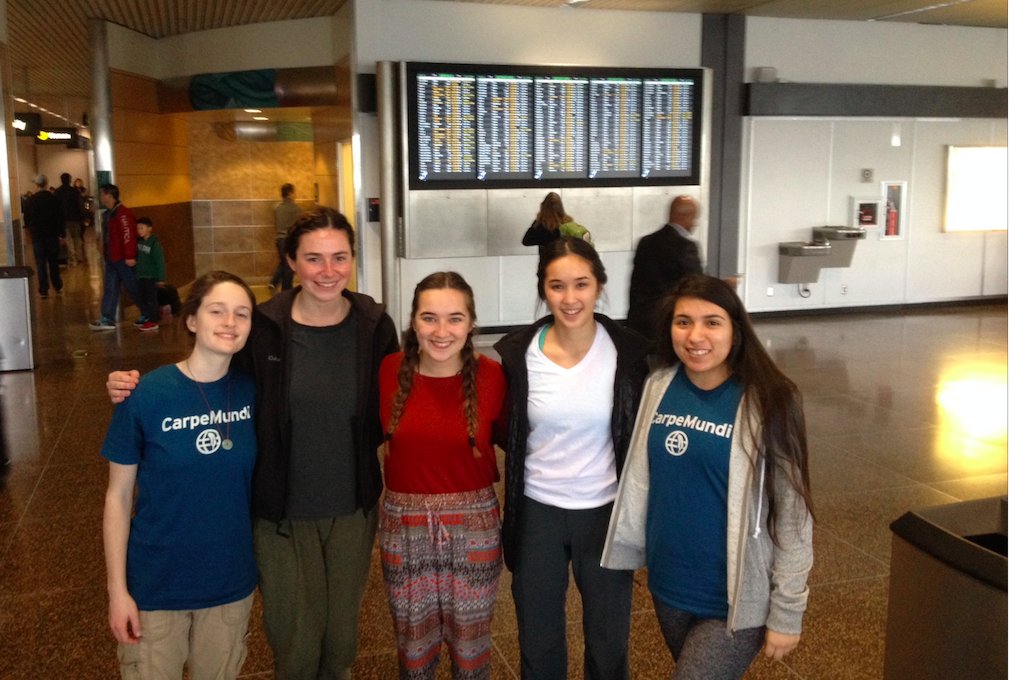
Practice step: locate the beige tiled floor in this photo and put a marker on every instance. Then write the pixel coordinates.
(880, 442)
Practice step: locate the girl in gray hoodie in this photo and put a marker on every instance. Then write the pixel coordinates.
(714, 497)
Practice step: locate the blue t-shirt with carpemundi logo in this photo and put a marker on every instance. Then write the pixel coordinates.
(190, 541)
(688, 455)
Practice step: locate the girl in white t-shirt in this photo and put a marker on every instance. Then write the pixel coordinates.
(575, 380)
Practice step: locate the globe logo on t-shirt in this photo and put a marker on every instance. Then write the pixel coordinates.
(677, 442)
(208, 442)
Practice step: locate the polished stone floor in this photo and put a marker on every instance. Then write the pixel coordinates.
(905, 410)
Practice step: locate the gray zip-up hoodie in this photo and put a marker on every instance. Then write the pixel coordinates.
(766, 583)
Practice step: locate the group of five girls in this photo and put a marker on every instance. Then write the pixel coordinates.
(593, 483)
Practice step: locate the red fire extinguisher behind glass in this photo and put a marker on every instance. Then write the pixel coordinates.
(891, 219)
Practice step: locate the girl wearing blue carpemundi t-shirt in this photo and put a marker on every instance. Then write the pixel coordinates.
(181, 573)
(714, 498)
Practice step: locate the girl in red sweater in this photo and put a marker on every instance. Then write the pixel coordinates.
(440, 530)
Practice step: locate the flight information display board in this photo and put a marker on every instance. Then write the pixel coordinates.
(446, 129)
(471, 126)
(615, 127)
(504, 127)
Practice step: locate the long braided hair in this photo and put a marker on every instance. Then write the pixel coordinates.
(411, 357)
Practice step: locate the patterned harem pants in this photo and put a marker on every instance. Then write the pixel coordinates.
(441, 558)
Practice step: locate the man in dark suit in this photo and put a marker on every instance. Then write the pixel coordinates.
(43, 217)
(662, 259)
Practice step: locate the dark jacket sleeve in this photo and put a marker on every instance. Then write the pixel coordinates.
(538, 235)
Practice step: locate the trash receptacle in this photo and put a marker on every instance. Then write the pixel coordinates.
(947, 611)
(17, 330)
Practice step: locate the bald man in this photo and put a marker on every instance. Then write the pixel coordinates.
(662, 259)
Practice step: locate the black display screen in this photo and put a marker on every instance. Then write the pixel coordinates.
(485, 126)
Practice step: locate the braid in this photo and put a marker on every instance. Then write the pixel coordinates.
(470, 367)
(407, 369)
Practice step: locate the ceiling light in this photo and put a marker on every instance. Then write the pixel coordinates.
(253, 111)
(573, 3)
(260, 118)
(20, 100)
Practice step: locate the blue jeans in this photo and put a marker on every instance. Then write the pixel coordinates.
(284, 275)
(47, 261)
(118, 274)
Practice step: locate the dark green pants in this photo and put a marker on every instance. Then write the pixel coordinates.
(312, 575)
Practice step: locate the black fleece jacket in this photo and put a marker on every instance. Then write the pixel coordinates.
(632, 349)
(265, 358)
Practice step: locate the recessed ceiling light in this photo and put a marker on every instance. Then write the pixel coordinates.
(253, 111)
(260, 118)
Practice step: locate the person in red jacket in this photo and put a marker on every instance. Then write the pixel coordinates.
(119, 233)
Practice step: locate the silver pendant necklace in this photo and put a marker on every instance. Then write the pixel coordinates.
(226, 442)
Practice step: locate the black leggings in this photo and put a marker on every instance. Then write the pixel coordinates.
(701, 648)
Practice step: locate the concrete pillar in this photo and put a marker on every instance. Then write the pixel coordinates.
(101, 110)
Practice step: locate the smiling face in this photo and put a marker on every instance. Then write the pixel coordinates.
(702, 339)
(442, 324)
(571, 290)
(223, 321)
(324, 264)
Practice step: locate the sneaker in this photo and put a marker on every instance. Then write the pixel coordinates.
(59, 291)
(148, 326)
(103, 324)
(140, 322)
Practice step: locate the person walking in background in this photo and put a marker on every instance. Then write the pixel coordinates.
(180, 572)
(72, 203)
(150, 272)
(285, 214)
(119, 233)
(574, 382)
(551, 223)
(440, 541)
(45, 220)
(715, 497)
(663, 259)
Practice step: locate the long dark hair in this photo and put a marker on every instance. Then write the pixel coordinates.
(782, 446)
(562, 247)
(320, 218)
(411, 356)
(552, 213)
(203, 285)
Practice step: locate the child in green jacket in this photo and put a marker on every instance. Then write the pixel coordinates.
(150, 274)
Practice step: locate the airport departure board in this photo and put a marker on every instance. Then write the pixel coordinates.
(473, 126)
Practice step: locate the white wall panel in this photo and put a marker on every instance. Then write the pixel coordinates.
(434, 30)
(819, 51)
(996, 271)
(878, 270)
(481, 273)
(509, 214)
(606, 212)
(788, 195)
(519, 302)
(940, 266)
(276, 44)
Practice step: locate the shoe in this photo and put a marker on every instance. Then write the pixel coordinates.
(43, 295)
(148, 326)
(59, 291)
(273, 288)
(103, 324)
(140, 322)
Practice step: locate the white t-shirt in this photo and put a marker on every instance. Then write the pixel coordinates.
(570, 462)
